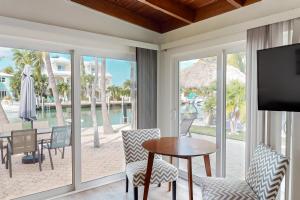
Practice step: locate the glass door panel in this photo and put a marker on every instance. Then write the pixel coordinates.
(197, 105)
(108, 106)
(235, 114)
(50, 74)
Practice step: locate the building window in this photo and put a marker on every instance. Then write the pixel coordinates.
(2, 79)
(60, 68)
(3, 94)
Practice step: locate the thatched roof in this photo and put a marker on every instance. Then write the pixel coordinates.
(203, 73)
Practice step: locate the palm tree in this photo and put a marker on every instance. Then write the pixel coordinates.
(8, 70)
(93, 106)
(52, 84)
(115, 92)
(107, 128)
(23, 57)
(235, 102)
(63, 89)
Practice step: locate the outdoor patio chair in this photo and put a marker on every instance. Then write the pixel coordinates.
(7, 128)
(22, 142)
(60, 139)
(187, 120)
(267, 169)
(137, 157)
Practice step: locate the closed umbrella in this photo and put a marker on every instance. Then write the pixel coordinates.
(27, 110)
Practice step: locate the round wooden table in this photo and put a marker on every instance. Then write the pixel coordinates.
(183, 147)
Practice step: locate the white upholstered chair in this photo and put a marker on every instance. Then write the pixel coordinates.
(136, 161)
(265, 174)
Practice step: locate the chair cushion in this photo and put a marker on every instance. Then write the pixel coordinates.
(162, 172)
(227, 189)
(266, 171)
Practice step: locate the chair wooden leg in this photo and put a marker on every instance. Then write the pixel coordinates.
(174, 190)
(135, 193)
(50, 156)
(170, 184)
(127, 184)
(207, 165)
(190, 177)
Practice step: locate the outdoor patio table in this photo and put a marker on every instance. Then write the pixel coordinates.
(28, 159)
(182, 147)
(40, 131)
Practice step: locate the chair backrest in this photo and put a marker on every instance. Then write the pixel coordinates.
(266, 171)
(40, 124)
(133, 140)
(10, 127)
(60, 137)
(186, 123)
(23, 141)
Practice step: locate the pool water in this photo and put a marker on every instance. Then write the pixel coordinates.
(115, 115)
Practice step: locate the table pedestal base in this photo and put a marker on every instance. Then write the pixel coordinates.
(29, 159)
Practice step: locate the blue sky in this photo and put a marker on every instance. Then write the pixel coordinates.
(187, 63)
(119, 69)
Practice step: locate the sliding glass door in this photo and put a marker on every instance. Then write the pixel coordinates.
(107, 107)
(235, 114)
(197, 105)
(212, 106)
(45, 79)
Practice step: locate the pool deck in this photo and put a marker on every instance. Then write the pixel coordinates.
(96, 163)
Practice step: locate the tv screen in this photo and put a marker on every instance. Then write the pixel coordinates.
(279, 78)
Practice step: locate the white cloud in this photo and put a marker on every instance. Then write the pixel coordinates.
(4, 52)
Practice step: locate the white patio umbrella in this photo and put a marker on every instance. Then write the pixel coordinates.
(27, 110)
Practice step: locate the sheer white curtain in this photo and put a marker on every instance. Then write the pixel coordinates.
(265, 126)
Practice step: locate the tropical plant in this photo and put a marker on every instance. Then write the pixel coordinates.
(107, 128)
(34, 59)
(52, 85)
(235, 103)
(209, 105)
(115, 92)
(15, 83)
(237, 60)
(63, 89)
(8, 70)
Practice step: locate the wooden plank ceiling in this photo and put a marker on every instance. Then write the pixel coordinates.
(164, 15)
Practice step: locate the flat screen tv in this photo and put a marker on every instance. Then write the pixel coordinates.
(279, 78)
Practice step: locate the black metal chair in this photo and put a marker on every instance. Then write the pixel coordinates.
(60, 139)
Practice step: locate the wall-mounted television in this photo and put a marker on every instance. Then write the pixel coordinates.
(279, 78)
